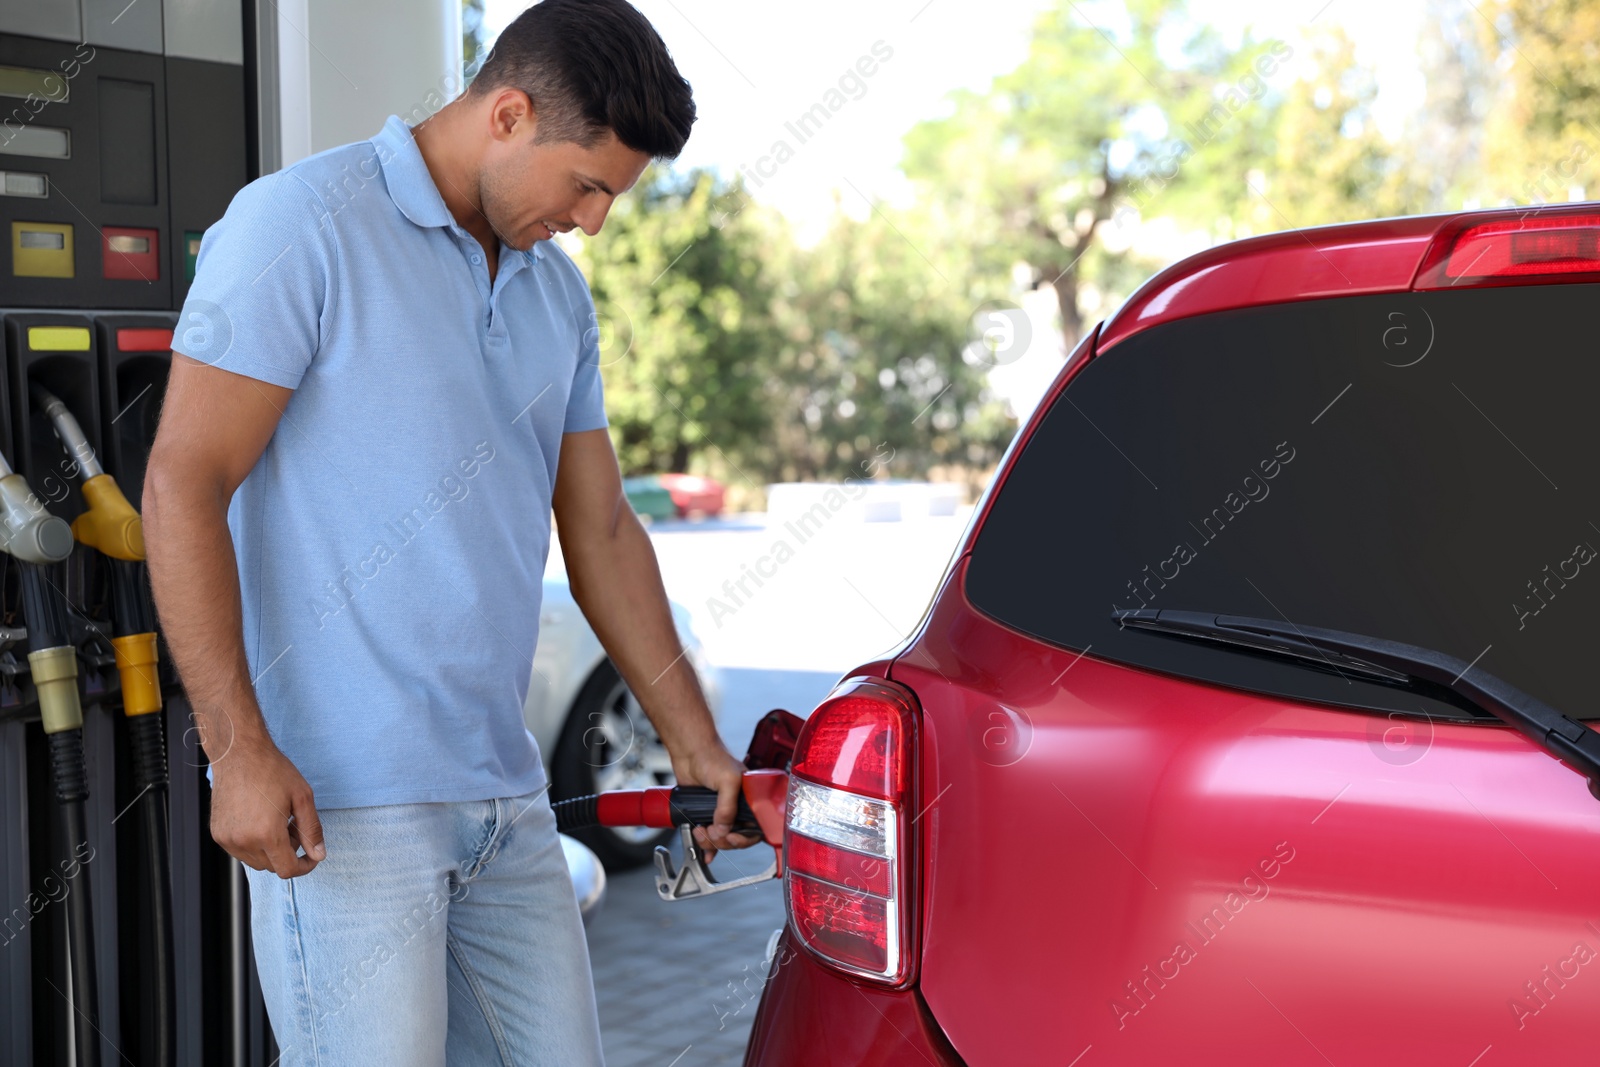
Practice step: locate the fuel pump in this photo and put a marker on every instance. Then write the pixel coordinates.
(763, 802)
(37, 539)
(110, 525)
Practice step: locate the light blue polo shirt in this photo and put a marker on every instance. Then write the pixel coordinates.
(392, 538)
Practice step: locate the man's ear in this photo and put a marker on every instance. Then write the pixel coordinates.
(511, 114)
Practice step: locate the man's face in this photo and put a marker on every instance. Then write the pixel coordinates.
(529, 190)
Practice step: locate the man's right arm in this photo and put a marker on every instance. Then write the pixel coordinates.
(214, 427)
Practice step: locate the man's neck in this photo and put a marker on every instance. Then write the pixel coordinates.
(451, 163)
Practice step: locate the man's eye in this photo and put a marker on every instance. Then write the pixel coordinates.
(587, 189)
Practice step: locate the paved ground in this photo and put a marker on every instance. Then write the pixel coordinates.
(678, 983)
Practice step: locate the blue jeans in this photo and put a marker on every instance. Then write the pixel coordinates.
(432, 933)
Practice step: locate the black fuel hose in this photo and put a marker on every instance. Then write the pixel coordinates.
(54, 667)
(149, 741)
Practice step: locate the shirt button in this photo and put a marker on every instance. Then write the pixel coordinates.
(476, 259)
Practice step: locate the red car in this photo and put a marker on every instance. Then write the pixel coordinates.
(692, 493)
(1247, 723)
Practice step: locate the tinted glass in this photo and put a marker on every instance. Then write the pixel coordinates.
(1419, 467)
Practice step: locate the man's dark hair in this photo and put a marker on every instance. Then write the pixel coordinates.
(590, 66)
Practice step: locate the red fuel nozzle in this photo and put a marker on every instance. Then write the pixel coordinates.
(763, 802)
(761, 807)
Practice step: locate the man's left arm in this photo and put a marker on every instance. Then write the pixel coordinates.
(615, 579)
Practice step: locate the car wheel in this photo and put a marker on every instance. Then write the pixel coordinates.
(608, 743)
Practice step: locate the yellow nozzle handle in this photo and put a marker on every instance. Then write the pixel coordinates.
(109, 524)
(136, 663)
(55, 678)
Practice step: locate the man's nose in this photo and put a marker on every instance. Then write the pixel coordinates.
(591, 216)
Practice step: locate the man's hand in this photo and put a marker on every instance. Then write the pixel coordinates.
(714, 767)
(262, 810)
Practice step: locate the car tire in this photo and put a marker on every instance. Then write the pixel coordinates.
(607, 743)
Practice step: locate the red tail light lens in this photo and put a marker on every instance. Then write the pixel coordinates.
(1536, 244)
(858, 746)
(847, 873)
(859, 872)
(848, 928)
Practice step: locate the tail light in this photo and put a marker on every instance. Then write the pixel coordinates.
(847, 868)
(1532, 245)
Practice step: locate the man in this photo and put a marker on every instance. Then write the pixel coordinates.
(385, 378)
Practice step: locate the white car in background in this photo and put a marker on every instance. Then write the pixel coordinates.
(591, 730)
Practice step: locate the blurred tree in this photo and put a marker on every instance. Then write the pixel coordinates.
(1101, 122)
(728, 350)
(1329, 162)
(684, 320)
(1442, 149)
(875, 372)
(1543, 134)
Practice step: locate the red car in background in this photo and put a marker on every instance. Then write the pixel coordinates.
(692, 493)
(1247, 723)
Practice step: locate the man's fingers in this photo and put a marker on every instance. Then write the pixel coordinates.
(727, 809)
(305, 828)
(702, 841)
(282, 859)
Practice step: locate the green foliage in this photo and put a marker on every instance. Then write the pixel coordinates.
(1329, 162)
(727, 349)
(1543, 134)
(875, 326)
(684, 305)
(1153, 112)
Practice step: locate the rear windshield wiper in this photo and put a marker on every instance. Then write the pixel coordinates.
(1376, 659)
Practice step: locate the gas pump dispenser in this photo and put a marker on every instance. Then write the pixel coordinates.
(111, 526)
(37, 539)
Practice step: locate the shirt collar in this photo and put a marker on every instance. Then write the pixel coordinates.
(410, 184)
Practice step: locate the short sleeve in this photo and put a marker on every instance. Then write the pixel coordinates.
(586, 407)
(263, 284)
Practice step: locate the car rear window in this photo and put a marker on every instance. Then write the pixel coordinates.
(1418, 466)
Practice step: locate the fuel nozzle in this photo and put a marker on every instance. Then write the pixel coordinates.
(762, 808)
(108, 523)
(27, 530)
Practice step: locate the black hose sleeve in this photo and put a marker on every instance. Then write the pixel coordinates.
(132, 611)
(696, 805)
(149, 737)
(67, 767)
(44, 607)
(577, 813)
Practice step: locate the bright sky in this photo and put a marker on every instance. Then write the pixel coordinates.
(756, 65)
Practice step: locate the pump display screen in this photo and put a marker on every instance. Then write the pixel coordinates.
(128, 245)
(41, 142)
(25, 81)
(37, 239)
(22, 183)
